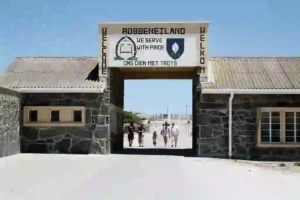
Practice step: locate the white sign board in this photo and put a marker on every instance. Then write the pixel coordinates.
(154, 45)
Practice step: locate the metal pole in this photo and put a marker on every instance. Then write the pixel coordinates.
(230, 125)
(186, 112)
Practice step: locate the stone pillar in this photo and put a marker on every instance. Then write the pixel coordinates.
(196, 99)
(213, 125)
(9, 122)
(116, 88)
(100, 118)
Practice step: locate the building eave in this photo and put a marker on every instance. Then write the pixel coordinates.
(251, 91)
(59, 90)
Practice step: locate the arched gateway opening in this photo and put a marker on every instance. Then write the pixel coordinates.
(151, 51)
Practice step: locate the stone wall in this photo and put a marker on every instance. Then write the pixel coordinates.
(212, 118)
(9, 122)
(93, 138)
(213, 126)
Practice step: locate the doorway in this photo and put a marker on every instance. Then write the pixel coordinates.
(154, 103)
(153, 119)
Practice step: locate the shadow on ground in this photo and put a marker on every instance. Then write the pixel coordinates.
(157, 151)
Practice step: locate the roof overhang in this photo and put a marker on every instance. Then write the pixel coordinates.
(59, 90)
(251, 91)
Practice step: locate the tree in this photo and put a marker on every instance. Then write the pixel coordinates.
(131, 117)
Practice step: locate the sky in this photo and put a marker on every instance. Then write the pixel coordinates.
(69, 28)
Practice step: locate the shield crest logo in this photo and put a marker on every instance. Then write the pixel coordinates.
(175, 47)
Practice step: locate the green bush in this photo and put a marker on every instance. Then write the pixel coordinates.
(131, 117)
(297, 164)
(282, 164)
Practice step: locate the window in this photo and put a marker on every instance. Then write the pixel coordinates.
(279, 127)
(270, 127)
(292, 127)
(54, 115)
(77, 116)
(33, 115)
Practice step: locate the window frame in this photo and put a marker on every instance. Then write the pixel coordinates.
(37, 115)
(59, 118)
(282, 111)
(82, 115)
(44, 116)
(295, 128)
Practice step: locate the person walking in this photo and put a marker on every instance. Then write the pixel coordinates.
(166, 133)
(141, 131)
(174, 134)
(131, 130)
(154, 137)
(162, 130)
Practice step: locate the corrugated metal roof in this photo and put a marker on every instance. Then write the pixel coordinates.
(228, 73)
(255, 73)
(1, 78)
(50, 72)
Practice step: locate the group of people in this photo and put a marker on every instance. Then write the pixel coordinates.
(172, 132)
(140, 130)
(167, 133)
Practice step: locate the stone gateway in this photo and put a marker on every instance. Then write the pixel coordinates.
(241, 108)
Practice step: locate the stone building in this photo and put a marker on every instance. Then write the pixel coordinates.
(63, 106)
(249, 109)
(9, 122)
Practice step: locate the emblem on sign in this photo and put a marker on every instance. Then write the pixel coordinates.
(125, 49)
(175, 47)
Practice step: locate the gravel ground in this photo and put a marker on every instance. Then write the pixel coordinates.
(284, 167)
(77, 177)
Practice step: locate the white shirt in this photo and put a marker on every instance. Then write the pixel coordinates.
(166, 132)
(175, 130)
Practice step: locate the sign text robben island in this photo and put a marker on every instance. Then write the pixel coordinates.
(154, 47)
(149, 47)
